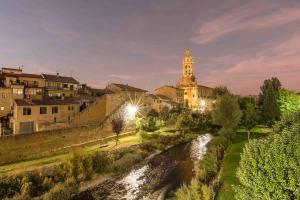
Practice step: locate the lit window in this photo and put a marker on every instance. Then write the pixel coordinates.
(1, 108)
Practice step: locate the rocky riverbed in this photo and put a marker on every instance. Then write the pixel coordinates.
(154, 177)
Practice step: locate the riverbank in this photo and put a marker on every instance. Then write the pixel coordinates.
(231, 162)
(153, 177)
(49, 159)
(85, 168)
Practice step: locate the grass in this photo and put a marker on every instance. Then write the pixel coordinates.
(231, 162)
(54, 158)
(47, 159)
(23, 147)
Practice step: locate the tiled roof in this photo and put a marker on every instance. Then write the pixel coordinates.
(163, 97)
(170, 86)
(124, 87)
(61, 79)
(35, 102)
(24, 75)
(8, 68)
(203, 86)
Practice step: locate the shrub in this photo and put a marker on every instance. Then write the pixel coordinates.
(269, 168)
(62, 191)
(127, 161)
(101, 161)
(79, 165)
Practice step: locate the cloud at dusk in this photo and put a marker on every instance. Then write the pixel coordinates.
(234, 43)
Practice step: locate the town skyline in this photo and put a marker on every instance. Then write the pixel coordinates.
(235, 44)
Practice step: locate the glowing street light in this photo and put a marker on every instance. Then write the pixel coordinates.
(203, 105)
(131, 111)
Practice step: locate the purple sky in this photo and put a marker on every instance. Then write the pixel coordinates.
(141, 42)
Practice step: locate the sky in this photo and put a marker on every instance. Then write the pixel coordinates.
(234, 43)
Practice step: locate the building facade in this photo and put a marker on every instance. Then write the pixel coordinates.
(187, 91)
(39, 115)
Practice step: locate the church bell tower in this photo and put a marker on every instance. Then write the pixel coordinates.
(187, 64)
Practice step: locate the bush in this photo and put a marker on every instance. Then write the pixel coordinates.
(269, 168)
(79, 165)
(62, 191)
(101, 161)
(126, 162)
(194, 191)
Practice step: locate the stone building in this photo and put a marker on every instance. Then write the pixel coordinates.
(187, 91)
(158, 102)
(31, 115)
(6, 102)
(60, 87)
(174, 93)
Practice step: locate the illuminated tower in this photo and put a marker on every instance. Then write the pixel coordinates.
(187, 64)
(188, 82)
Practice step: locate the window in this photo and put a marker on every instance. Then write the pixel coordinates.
(72, 108)
(18, 91)
(69, 108)
(1, 108)
(54, 110)
(55, 119)
(65, 85)
(43, 110)
(26, 111)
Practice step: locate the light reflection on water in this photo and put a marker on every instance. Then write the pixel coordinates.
(199, 147)
(133, 181)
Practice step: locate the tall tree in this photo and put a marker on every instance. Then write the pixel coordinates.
(270, 106)
(227, 112)
(250, 118)
(273, 81)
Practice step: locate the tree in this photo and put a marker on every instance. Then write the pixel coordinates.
(219, 91)
(274, 82)
(117, 124)
(289, 102)
(269, 168)
(164, 113)
(152, 113)
(270, 107)
(268, 100)
(250, 118)
(227, 112)
(184, 121)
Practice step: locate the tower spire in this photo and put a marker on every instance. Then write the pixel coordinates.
(187, 64)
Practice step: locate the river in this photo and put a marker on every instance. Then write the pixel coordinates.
(156, 176)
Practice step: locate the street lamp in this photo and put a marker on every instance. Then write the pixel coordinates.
(131, 111)
(203, 105)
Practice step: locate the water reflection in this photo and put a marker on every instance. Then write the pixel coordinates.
(199, 147)
(133, 181)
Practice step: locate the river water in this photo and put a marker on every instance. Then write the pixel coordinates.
(156, 176)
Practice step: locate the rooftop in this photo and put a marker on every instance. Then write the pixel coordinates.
(24, 75)
(35, 102)
(126, 87)
(58, 78)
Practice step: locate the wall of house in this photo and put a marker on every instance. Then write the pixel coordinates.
(61, 93)
(99, 110)
(6, 101)
(65, 114)
(174, 94)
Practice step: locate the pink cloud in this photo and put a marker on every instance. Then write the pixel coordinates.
(252, 16)
(246, 76)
